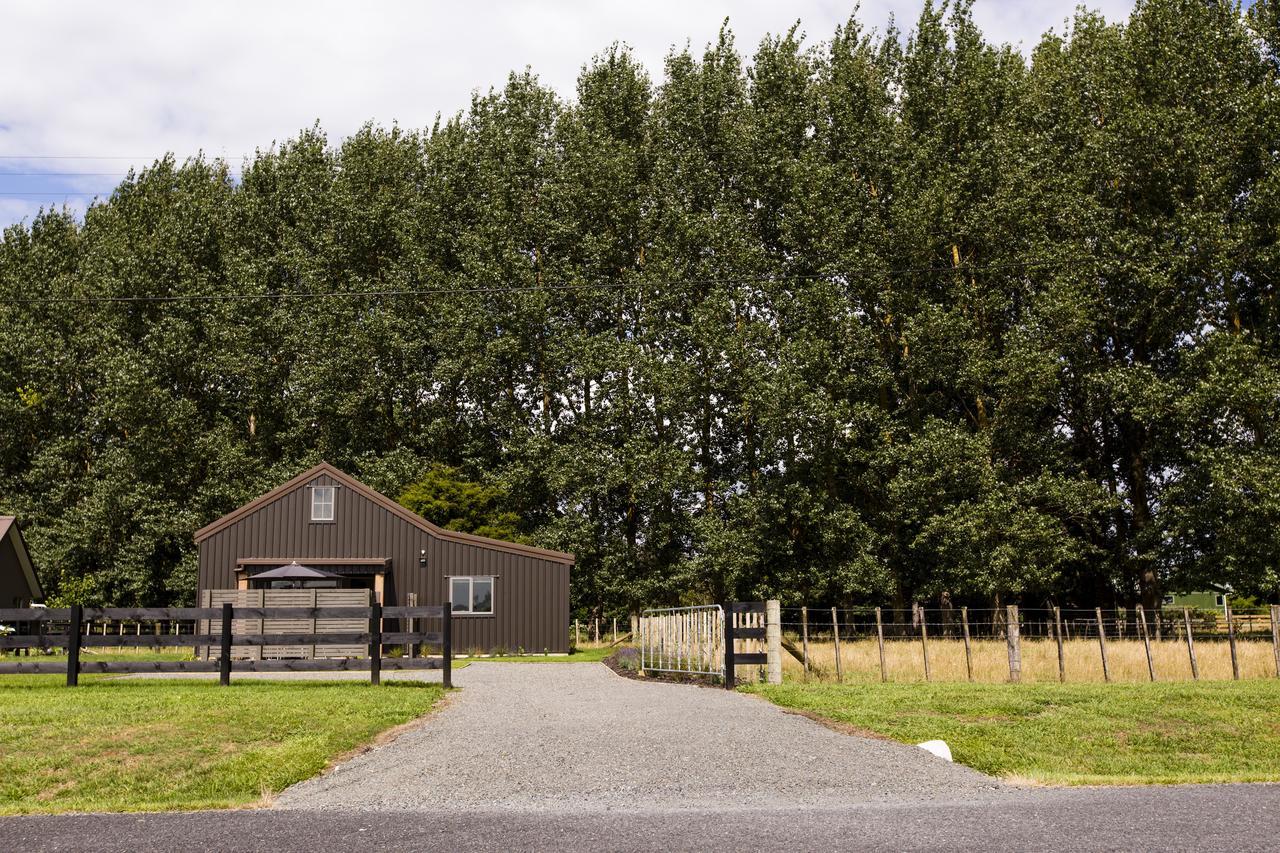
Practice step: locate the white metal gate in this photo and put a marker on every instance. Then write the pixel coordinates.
(683, 639)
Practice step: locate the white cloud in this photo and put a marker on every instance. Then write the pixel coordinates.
(136, 80)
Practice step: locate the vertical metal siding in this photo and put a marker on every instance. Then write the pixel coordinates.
(531, 595)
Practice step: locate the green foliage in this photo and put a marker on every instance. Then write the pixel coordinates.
(446, 499)
(872, 317)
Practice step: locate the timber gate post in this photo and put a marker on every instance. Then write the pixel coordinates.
(730, 660)
(773, 640)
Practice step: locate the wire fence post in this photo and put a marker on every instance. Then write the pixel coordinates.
(968, 652)
(835, 630)
(1275, 635)
(1013, 637)
(884, 676)
(1191, 646)
(1146, 642)
(924, 641)
(1231, 640)
(1102, 645)
(1057, 633)
(804, 638)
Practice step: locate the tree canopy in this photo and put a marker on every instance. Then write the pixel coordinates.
(879, 316)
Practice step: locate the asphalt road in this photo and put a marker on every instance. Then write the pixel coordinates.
(1237, 818)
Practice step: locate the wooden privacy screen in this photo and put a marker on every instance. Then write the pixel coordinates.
(289, 598)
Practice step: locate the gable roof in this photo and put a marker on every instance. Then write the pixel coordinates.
(9, 530)
(386, 503)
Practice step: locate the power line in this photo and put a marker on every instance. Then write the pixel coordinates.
(514, 289)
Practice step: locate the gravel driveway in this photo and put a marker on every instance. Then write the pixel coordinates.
(548, 737)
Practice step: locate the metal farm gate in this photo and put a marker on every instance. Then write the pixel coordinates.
(694, 640)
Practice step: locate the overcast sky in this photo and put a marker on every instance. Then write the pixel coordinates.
(94, 87)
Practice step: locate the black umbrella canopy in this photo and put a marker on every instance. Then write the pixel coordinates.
(294, 571)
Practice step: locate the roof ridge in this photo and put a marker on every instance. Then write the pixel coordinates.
(386, 503)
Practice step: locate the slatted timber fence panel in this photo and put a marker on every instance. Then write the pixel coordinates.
(362, 631)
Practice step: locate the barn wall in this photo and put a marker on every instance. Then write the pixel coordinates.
(531, 595)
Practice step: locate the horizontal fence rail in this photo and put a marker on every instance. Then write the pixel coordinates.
(71, 629)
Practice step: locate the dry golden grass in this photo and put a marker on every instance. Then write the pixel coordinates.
(1127, 658)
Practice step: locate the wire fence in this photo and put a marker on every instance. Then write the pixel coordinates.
(823, 623)
(1031, 644)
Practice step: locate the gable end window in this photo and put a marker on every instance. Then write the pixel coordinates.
(322, 503)
(471, 595)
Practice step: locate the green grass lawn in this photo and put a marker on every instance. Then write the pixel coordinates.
(153, 744)
(1070, 734)
(106, 654)
(581, 655)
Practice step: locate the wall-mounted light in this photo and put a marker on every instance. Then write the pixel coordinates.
(422, 557)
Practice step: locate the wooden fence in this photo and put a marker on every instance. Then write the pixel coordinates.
(65, 628)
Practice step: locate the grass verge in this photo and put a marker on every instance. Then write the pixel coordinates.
(1069, 734)
(589, 654)
(156, 744)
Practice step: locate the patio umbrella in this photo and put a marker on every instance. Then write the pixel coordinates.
(294, 571)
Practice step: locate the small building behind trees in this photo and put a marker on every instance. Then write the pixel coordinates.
(506, 596)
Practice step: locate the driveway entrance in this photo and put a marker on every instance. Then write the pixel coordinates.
(574, 737)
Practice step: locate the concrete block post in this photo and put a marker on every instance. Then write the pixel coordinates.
(773, 640)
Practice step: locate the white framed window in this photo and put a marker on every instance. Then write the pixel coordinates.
(322, 503)
(471, 595)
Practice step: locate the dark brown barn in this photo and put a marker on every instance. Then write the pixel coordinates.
(18, 584)
(505, 596)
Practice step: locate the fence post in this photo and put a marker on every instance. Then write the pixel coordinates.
(1231, 639)
(1013, 637)
(880, 639)
(1275, 635)
(968, 652)
(924, 640)
(412, 600)
(73, 645)
(1102, 646)
(730, 663)
(773, 640)
(1057, 633)
(224, 654)
(804, 638)
(1146, 642)
(375, 644)
(446, 643)
(1191, 646)
(835, 630)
